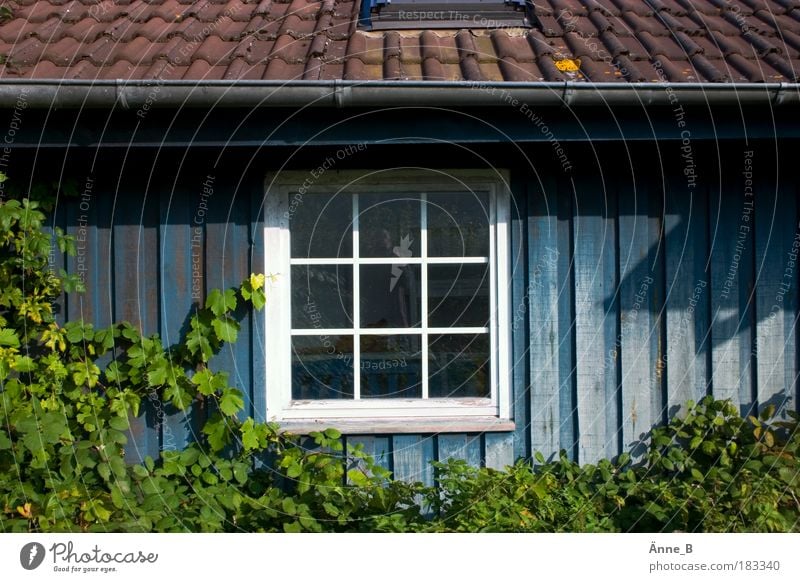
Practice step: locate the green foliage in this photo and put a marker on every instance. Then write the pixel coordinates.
(707, 470)
(68, 394)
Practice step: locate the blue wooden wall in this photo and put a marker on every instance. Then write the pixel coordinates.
(632, 290)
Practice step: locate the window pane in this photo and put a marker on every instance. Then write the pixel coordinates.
(322, 367)
(388, 226)
(458, 295)
(390, 295)
(320, 225)
(391, 366)
(322, 296)
(458, 365)
(458, 224)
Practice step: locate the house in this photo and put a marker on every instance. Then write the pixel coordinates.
(495, 228)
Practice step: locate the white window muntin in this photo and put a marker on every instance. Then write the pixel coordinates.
(280, 405)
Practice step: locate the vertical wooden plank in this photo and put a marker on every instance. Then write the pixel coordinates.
(87, 221)
(595, 322)
(57, 259)
(731, 239)
(567, 392)
(520, 335)
(638, 263)
(227, 216)
(543, 295)
(412, 458)
(658, 306)
(498, 450)
(687, 290)
(135, 240)
(777, 240)
(104, 277)
(175, 266)
(460, 446)
(258, 352)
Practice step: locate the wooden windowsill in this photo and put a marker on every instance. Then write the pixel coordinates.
(400, 425)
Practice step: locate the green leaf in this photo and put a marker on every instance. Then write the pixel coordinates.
(157, 376)
(292, 527)
(99, 510)
(226, 328)
(205, 382)
(698, 475)
(8, 337)
(259, 299)
(294, 470)
(231, 402)
(240, 474)
(5, 442)
(332, 433)
(288, 506)
(24, 364)
(178, 396)
(217, 433)
(219, 302)
(141, 471)
(250, 439)
(788, 475)
(119, 423)
(104, 469)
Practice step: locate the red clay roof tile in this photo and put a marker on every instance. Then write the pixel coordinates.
(290, 50)
(280, 69)
(619, 40)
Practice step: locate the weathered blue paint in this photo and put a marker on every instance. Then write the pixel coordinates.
(175, 244)
(687, 291)
(412, 455)
(731, 223)
(498, 450)
(567, 366)
(544, 345)
(777, 232)
(595, 326)
(638, 333)
(258, 352)
(463, 447)
(520, 334)
(227, 263)
(598, 357)
(135, 242)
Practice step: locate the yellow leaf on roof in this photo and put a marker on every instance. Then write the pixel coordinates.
(568, 65)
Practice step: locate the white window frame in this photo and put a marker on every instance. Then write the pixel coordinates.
(277, 262)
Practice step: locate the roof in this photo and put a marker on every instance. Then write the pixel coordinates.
(718, 41)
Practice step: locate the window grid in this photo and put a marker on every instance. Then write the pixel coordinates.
(423, 253)
(423, 330)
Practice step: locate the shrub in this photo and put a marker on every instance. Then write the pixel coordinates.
(707, 470)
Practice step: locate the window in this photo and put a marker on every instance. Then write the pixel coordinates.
(418, 14)
(390, 296)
